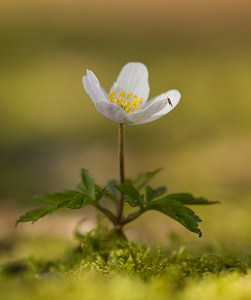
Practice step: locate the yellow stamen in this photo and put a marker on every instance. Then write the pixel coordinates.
(134, 102)
(110, 96)
(122, 94)
(128, 106)
(128, 96)
(126, 103)
(135, 98)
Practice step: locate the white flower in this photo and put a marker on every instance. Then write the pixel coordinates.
(127, 101)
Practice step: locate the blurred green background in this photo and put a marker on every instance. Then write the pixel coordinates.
(49, 128)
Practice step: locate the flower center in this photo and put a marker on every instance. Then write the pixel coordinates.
(124, 101)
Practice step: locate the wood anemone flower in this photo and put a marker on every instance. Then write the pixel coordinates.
(127, 102)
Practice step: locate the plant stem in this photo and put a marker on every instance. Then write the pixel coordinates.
(131, 217)
(107, 213)
(121, 172)
(121, 235)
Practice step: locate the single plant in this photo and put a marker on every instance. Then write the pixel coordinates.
(125, 104)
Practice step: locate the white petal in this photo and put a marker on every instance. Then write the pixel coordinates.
(88, 88)
(113, 112)
(133, 78)
(145, 116)
(93, 88)
(174, 98)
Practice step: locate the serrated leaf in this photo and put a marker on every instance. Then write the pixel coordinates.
(132, 195)
(35, 214)
(79, 200)
(70, 199)
(88, 183)
(144, 178)
(154, 193)
(178, 212)
(87, 193)
(99, 192)
(57, 200)
(189, 199)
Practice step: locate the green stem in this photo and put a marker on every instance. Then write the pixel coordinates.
(131, 217)
(107, 213)
(121, 172)
(121, 234)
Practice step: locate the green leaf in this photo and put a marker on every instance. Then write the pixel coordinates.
(178, 212)
(80, 187)
(70, 199)
(99, 192)
(79, 200)
(113, 191)
(133, 196)
(154, 193)
(87, 193)
(189, 199)
(35, 214)
(144, 178)
(88, 183)
(58, 200)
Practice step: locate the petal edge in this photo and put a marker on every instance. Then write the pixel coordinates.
(93, 87)
(113, 112)
(173, 97)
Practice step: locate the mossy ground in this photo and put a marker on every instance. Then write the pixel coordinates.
(106, 269)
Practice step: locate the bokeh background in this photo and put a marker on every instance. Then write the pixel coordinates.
(49, 128)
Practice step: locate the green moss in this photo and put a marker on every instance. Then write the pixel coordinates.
(112, 269)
